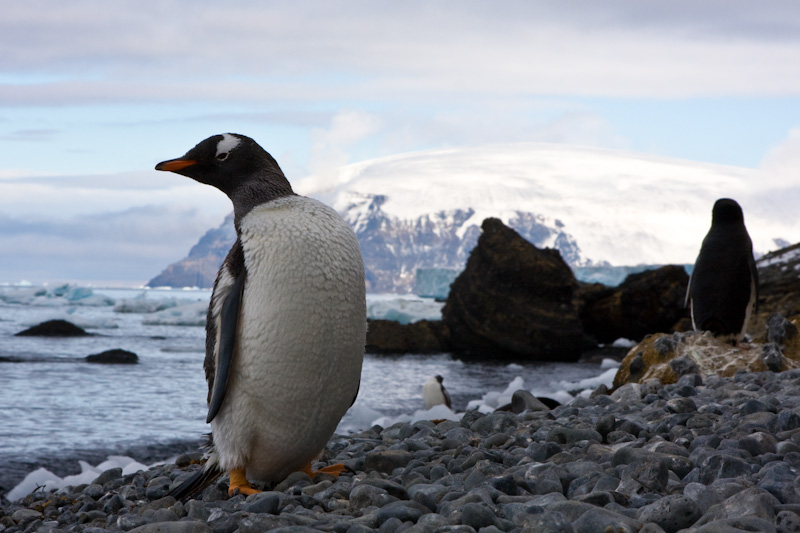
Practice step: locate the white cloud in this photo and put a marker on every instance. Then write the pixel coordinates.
(331, 146)
(123, 227)
(781, 165)
(131, 245)
(247, 51)
(66, 196)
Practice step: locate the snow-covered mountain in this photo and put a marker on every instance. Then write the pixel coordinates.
(598, 207)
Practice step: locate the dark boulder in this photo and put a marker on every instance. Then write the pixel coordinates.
(647, 302)
(114, 357)
(513, 301)
(422, 337)
(54, 328)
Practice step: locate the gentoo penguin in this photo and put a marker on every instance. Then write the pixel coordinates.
(723, 288)
(286, 325)
(434, 393)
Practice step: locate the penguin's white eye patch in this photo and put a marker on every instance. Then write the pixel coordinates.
(226, 145)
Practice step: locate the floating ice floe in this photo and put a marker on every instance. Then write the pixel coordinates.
(193, 314)
(45, 480)
(60, 296)
(21, 296)
(149, 305)
(403, 308)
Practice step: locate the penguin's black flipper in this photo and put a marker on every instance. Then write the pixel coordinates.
(229, 321)
(355, 396)
(754, 275)
(196, 484)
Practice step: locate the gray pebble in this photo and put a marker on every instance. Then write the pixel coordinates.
(174, 527)
(405, 511)
(671, 513)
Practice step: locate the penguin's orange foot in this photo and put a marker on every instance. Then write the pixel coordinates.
(334, 470)
(239, 484)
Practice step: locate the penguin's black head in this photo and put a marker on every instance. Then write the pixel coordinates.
(726, 210)
(439, 378)
(230, 162)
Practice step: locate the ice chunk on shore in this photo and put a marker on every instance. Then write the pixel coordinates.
(437, 412)
(623, 343)
(590, 384)
(193, 314)
(43, 479)
(404, 309)
(493, 399)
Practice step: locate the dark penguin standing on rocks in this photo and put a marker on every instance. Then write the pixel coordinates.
(723, 288)
(286, 324)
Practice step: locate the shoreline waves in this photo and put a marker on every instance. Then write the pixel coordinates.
(704, 454)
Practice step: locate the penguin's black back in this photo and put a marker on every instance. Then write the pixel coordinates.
(724, 274)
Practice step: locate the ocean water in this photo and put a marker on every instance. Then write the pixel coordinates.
(52, 402)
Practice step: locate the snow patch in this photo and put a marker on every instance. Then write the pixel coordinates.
(43, 479)
(623, 343)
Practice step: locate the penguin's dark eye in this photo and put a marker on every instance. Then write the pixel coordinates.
(223, 156)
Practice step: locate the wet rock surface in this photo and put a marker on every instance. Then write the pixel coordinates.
(513, 301)
(704, 454)
(422, 337)
(646, 302)
(116, 356)
(54, 328)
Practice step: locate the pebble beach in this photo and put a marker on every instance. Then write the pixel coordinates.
(703, 455)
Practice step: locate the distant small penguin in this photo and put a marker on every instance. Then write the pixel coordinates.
(723, 287)
(286, 323)
(434, 393)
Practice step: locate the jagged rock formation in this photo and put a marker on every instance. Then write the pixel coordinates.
(513, 301)
(646, 302)
(779, 278)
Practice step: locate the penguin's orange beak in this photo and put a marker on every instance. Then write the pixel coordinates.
(174, 165)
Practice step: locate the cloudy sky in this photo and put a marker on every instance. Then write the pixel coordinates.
(93, 94)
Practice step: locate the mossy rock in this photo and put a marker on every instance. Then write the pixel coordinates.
(669, 356)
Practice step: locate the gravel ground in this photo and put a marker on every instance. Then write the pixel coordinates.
(713, 455)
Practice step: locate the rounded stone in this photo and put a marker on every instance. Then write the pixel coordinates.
(672, 513)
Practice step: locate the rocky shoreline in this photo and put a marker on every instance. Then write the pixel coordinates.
(706, 454)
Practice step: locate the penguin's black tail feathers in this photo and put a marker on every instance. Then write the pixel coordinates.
(196, 483)
(203, 478)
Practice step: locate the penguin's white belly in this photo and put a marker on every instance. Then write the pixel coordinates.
(300, 343)
(432, 394)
